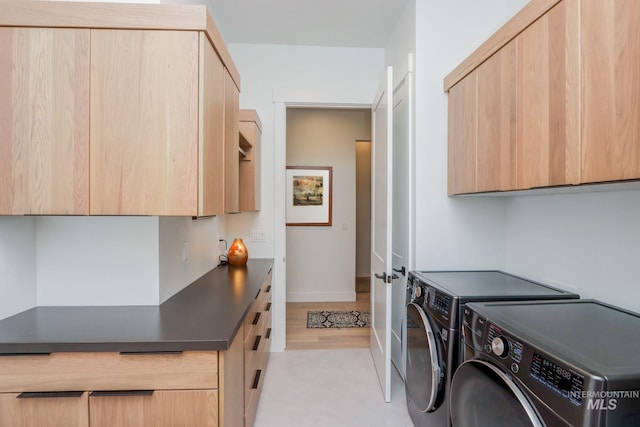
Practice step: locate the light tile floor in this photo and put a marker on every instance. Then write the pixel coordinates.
(328, 388)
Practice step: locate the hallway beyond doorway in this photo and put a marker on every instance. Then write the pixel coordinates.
(300, 337)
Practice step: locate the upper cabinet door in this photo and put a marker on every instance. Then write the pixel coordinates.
(548, 99)
(496, 144)
(231, 145)
(212, 82)
(462, 135)
(610, 90)
(44, 124)
(144, 122)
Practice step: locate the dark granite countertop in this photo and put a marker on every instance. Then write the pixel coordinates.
(203, 316)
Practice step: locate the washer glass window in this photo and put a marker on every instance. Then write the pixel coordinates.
(482, 395)
(424, 370)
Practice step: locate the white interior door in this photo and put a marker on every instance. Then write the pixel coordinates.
(402, 226)
(381, 232)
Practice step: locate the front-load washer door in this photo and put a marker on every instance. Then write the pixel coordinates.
(424, 371)
(482, 395)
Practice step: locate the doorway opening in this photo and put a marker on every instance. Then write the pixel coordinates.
(323, 261)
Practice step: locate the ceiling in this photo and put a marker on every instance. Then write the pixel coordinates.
(344, 23)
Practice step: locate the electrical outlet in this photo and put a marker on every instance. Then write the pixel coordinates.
(256, 236)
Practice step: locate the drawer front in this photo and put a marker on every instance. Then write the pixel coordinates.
(158, 409)
(52, 410)
(109, 371)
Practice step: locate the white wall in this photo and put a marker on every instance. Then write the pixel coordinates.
(588, 243)
(97, 260)
(321, 260)
(202, 237)
(451, 232)
(402, 43)
(18, 285)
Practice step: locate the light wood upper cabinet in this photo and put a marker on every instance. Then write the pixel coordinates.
(610, 119)
(496, 133)
(462, 135)
(250, 139)
(44, 127)
(144, 122)
(212, 84)
(548, 99)
(231, 145)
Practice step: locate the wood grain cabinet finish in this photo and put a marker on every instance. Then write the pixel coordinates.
(496, 132)
(44, 126)
(577, 96)
(231, 145)
(548, 99)
(610, 122)
(250, 138)
(462, 123)
(40, 410)
(167, 408)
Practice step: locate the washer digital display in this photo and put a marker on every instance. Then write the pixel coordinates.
(563, 381)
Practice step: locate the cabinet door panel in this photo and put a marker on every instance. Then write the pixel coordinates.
(160, 409)
(43, 411)
(44, 122)
(610, 90)
(231, 146)
(462, 136)
(548, 99)
(144, 122)
(211, 200)
(496, 145)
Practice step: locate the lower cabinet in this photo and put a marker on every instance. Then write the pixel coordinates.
(148, 408)
(61, 409)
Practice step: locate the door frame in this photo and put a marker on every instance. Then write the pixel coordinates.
(282, 101)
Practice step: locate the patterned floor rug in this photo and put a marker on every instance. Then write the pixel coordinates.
(338, 319)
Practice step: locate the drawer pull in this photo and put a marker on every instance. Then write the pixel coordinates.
(49, 394)
(258, 294)
(256, 318)
(121, 393)
(25, 354)
(268, 307)
(268, 335)
(256, 379)
(268, 289)
(269, 272)
(146, 353)
(256, 343)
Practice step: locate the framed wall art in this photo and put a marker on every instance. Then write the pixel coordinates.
(309, 195)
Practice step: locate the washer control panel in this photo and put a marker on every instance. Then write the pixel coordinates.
(503, 346)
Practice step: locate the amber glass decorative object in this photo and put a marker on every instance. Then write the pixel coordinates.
(237, 254)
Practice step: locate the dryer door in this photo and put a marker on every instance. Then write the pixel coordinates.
(483, 395)
(424, 376)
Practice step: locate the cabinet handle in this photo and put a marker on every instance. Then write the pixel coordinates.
(256, 319)
(25, 354)
(121, 393)
(256, 343)
(258, 294)
(268, 289)
(268, 334)
(49, 394)
(144, 353)
(256, 379)
(268, 307)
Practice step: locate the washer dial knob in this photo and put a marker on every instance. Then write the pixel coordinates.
(500, 346)
(418, 291)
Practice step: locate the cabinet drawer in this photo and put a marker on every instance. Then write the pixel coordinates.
(109, 371)
(50, 410)
(155, 409)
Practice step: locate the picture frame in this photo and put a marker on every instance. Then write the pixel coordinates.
(309, 195)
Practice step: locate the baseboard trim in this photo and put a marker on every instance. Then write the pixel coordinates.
(321, 296)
